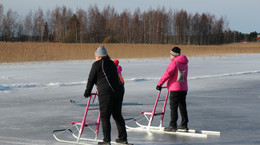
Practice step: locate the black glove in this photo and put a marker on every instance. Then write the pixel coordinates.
(158, 87)
(87, 94)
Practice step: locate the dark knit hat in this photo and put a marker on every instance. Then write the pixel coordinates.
(101, 51)
(176, 51)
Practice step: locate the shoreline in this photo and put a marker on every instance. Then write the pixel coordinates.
(38, 52)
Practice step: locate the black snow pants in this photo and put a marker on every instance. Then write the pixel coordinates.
(178, 99)
(111, 104)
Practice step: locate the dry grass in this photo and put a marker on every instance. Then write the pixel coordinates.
(26, 52)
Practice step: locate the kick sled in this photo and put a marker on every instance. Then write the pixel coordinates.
(85, 131)
(74, 133)
(156, 125)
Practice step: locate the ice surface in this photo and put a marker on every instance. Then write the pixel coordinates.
(223, 96)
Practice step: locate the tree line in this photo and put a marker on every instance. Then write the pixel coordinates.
(107, 26)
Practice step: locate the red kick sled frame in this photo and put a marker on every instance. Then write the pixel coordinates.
(77, 127)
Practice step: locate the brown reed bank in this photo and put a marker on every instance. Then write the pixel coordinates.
(30, 52)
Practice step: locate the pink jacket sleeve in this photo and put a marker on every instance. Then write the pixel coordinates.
(169, 72)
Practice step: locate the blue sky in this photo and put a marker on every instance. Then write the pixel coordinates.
(241, 15)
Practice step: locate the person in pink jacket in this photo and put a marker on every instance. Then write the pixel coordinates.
(176, 78)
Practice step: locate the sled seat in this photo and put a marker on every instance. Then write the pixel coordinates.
(87, 122)
(93, 108)
(150, 112)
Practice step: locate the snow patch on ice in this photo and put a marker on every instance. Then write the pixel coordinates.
(59, 84)
(25, 85)
(141, 79)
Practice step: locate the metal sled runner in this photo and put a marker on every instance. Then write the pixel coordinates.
(77, 127)
(149, 117)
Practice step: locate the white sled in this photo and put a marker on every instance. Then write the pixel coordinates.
(149, 116)
(76, 128)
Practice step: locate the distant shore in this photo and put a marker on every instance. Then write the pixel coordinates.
(30, 52)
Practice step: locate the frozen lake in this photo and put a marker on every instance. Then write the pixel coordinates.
(223, 96)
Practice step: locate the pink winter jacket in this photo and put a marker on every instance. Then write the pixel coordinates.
(171, 74)
(119, 70)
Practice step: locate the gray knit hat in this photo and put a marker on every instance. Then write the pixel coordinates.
(176, 51)
(101, 51)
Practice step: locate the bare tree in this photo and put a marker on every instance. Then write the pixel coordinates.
(136, 27)
(195, 31)
(170, 27)
(38, 25)
(161, 19)
(111, 23)
(57, 24)
(61, 18)
(10, 25)
(83, 20)
(218, 31)
(50, 23)
(28, 24)
(181, 22)
(66, 16)
(1, 17)
(96, 25)
(73, 31)
(46, 32)
(124, 26)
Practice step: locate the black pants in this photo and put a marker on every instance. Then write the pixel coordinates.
(178, 99)
(111, 104)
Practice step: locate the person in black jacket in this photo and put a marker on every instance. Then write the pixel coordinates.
(110, 91)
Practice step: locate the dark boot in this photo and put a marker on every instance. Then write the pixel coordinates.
(170, 128)
(121, 141)
(183, 128)
(104, 143)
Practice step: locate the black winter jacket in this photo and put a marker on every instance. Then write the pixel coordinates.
(104, 75)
